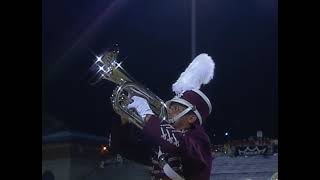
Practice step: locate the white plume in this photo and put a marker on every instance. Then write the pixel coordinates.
(200, 71)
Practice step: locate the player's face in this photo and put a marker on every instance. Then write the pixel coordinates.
(184, 121)
(174, 110)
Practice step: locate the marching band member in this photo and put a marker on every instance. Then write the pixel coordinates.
(181, 146)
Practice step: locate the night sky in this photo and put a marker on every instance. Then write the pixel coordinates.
(155, 44)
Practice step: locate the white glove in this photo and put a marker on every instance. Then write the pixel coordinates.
(141, 106)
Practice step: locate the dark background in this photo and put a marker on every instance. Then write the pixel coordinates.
(155, 38)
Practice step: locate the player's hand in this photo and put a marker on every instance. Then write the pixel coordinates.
(141, 106)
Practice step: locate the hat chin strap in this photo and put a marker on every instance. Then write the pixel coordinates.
(186, 103)
(177, 117)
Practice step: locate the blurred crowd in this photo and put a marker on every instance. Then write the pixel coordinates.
(251, 144)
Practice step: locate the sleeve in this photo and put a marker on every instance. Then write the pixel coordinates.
(189, 145)
(126, 141)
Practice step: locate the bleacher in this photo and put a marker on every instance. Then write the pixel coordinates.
(244, 168)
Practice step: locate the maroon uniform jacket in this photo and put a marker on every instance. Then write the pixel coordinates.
(188, 151)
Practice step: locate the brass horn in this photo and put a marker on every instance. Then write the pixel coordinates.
(127, 87)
